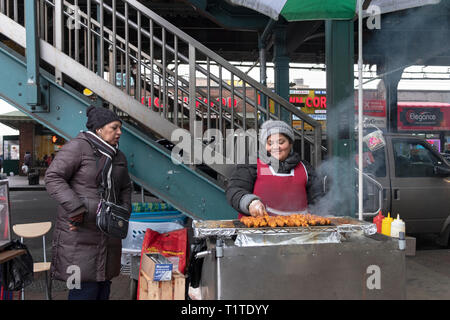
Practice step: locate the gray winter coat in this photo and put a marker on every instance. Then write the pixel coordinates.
(70, 180)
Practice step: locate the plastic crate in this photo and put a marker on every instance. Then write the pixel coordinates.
(151, 207)
(159, 216)
(132, 244)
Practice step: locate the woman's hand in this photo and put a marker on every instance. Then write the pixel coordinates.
(76, 221)
(257, 208)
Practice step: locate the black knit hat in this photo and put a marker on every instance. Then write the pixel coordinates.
(98, 117)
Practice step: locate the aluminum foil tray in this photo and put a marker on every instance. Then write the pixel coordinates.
(228, 228)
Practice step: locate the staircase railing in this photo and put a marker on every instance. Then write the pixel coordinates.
(163, 68)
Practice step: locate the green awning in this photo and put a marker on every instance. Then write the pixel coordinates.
(296, 10)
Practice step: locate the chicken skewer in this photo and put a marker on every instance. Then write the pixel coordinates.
(293, 220)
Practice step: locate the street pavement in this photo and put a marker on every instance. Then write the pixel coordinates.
(37, 206)
(427, 273)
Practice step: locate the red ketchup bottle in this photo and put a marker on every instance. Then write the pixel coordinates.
(378, 221)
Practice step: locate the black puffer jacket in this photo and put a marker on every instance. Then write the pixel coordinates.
(239, 190)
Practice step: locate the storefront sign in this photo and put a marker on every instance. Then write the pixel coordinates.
(310, 102)
(319, 117)
(226, 103)
(299, 92)
(374, 113)
(373, 108)
(424, 118)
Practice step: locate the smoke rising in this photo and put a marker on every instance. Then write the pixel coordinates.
(337, 191)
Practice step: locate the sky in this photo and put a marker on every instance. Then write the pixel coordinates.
(5, 130)
(317, 79)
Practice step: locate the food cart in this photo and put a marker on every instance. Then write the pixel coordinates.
(344, 260)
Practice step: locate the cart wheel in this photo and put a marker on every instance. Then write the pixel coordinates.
(133, 289)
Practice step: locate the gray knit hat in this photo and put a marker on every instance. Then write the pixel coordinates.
(275, 126)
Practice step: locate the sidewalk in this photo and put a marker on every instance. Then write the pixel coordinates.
(120, 289)
(18, 183)
(30, 205)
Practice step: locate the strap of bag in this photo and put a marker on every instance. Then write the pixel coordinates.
(101, 188)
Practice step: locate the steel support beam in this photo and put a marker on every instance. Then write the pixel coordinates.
(341, 115)
(262, 69)
(32, 55)
(281, 61)
(390, 82)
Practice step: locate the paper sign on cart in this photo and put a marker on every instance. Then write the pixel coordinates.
(163, 272)
(157, 267)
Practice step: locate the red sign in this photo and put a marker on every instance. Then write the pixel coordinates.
(423, 116)
(373, 108)
(225, 102)
(310, 102)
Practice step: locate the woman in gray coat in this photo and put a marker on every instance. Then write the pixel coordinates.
(81, 253)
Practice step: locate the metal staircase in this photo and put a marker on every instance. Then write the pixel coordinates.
(163, 83)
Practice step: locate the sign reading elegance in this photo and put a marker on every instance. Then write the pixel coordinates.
(421, 117)
(425, 117)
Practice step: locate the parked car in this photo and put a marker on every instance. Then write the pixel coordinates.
(446, 156)
(416, 184)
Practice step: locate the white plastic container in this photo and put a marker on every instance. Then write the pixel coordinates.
(397, 226)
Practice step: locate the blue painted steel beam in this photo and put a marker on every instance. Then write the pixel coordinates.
(149, 164)
(32, 55)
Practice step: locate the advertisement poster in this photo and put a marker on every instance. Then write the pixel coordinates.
(423, 116)
(374, 113)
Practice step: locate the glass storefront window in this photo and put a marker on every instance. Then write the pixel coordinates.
(11, 150)
(5, 232)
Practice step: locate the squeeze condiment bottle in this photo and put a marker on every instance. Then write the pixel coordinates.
(386, 225)
(401, 241)
(378, 220)
(397, 226)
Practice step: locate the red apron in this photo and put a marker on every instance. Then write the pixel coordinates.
(282, 194)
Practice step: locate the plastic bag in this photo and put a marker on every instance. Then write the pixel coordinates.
(172, 245)
(375, 140)
(25, 169)
(17, 273)
(195, 265)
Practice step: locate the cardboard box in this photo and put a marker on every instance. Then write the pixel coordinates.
(157, 267)
(158, 281)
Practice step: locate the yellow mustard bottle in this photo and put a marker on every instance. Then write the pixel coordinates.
(386, 225)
